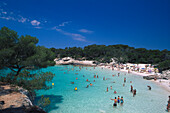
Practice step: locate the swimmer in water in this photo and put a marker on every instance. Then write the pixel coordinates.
(91, 84)
(115, 92)
(72, 82)
(97, 76)
(123, 85)
(115, 102)
(131, 89)
(168, 105)
(149, 87)
(87, 86)
(118, 99)
(76, 78)
(121, 100)
(134, 92)
(87, 80)
(107, 89)
(111, 87)
(118, 74)
(124, 79)
(93, 80)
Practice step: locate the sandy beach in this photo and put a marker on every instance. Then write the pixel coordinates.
(161, 82)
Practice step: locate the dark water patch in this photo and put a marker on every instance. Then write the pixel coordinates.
(54, 99)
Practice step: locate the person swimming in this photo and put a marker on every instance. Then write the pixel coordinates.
(118, 99)
(121, 100)
(111, 87)
(149, 87)
(115, 92)
(87, 86)
(97, 76)
(87, 80)
(91, 84)
(72, 82)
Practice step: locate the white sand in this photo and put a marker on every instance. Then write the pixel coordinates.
(164, 83)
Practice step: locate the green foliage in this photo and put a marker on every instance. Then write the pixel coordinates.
(17, 53)
(20, 53)
(44, 102)
(165, 65)
(122, 54)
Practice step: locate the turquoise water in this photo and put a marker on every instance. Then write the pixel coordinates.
(95, 99)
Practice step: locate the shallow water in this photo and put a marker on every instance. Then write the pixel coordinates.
(95, 99)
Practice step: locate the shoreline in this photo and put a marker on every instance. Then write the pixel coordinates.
(165, 84)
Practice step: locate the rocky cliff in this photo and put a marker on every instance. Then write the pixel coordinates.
(14, 99)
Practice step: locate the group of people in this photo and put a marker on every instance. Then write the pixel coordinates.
(133, 90)
(117, 100)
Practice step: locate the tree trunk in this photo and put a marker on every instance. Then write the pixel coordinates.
(19, 70)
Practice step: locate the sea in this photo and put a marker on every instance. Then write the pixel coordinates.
(95, 99)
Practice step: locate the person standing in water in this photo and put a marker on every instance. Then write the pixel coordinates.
(111, 87)
(134, 92)
(131, 90)
(168, 105)
(121, 100)
(118, 99)
(115, 102)
(107, 89)
(124, 79)
(123, 85)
